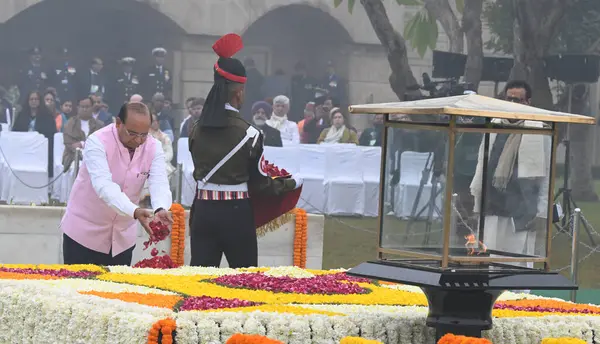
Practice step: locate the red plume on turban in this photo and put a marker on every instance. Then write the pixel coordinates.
(228, 45)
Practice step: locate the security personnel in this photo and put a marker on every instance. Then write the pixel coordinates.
(126, 83)
(157, 78)
(226, 151)
(35, 76)
(65, 80)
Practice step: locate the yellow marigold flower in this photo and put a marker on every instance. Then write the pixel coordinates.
(563, 341)
(195, 286)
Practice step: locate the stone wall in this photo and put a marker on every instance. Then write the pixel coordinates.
(32, 235)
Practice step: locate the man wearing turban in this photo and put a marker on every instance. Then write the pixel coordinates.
(226, 151)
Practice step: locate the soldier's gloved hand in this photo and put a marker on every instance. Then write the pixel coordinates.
(299, 181)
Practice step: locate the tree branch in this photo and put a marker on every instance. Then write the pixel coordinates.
(394, 44)
(442, 12)
(535, 27)
(471, 26)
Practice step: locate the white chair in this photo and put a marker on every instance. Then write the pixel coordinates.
(5, 127)
(61, 189)
(371, 166)
(344, 186)
(283, 157)
(412, 165)
(311, 167)
(188, 183)
(25, 169)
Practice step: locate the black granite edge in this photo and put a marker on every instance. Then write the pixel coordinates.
(482, 280)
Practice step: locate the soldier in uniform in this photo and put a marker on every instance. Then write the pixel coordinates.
(35, 76)
(126, 83)
(65, 80)
(157, 78)
(226, 151)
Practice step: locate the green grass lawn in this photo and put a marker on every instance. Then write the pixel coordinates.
(351, 240)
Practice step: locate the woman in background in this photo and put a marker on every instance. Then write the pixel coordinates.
(338, 132)
(59, 118)
(37, 117)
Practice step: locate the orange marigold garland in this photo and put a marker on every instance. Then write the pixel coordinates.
(178, 234)
(251, 339)
(453, 339)
(162, 331)
(300, 238)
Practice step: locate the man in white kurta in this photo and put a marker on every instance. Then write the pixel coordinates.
(290, 135)
(516, 201)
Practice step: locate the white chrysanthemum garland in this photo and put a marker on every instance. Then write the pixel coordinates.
(45, 314)
(84, 285)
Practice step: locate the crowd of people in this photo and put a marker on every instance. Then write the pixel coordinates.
(78, 102)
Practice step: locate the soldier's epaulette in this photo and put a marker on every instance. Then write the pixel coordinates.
(238, 118)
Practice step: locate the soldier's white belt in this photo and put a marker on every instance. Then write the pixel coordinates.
(222, 187)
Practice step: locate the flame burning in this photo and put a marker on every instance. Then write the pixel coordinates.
(473, 245)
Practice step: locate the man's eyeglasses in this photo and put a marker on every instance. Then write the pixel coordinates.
(134, 134)
(516, 100)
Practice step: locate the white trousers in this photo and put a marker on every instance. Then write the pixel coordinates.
(500, 235)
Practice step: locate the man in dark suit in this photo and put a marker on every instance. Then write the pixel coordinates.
(253, 88)
(65, 79)
(157, 78)
(125, 85)
(35, 76)
(195, 110)
(303, 91)
(93, 81)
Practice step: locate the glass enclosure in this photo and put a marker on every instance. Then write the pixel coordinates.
(475, 188)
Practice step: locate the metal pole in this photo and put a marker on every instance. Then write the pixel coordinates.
(575, 250)
(178, 191)
(77, 161)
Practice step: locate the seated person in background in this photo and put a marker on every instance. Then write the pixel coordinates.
(66, 109)
(50, 102)
(372, 136)
(188, 107)
(195, 109)
(272, 136)
(35, 116)
(100, 110)
(77, 129)
(288, 129)
(314, 125)
(338, 132)
(165, 119)
(309, 115)
(6, 109)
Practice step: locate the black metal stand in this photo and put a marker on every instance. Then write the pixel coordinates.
(460, 312)
(461, 297)
(431, 205)
(568, 203)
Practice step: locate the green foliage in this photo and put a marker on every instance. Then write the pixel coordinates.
(460, 6)
(578, 31)
(422, 32)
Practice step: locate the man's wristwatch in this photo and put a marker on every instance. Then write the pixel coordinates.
(157, 210)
